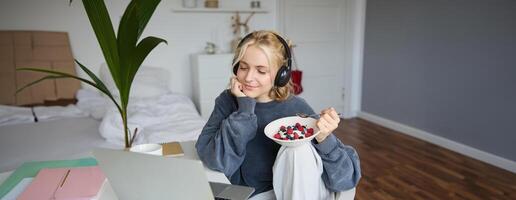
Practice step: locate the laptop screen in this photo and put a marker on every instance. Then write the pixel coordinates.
(141, 176)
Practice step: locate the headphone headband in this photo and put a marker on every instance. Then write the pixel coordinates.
(282, 41)
(283, 74)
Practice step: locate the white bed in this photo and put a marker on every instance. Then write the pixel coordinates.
(72, 131)
(64, 137)
(50, 140)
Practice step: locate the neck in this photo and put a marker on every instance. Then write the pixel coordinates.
(263, 99)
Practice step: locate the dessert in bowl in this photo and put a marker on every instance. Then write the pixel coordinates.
(292, 131)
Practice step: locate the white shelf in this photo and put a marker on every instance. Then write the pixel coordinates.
(232, 10)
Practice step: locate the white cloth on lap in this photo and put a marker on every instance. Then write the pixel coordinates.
(297, 174)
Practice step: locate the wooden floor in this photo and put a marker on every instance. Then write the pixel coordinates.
(397, 166)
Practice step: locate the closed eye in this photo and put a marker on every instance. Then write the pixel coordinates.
(262, 69)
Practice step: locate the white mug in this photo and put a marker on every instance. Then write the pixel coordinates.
(153, 149)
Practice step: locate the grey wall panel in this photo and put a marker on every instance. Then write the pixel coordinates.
(445, 67)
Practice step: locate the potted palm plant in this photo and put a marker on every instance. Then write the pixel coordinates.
(124, 52)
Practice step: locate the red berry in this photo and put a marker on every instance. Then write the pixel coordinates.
(310, 130)
(299, 127)
(277, 136)
(290, 131)
(308, 134)
(296, 136)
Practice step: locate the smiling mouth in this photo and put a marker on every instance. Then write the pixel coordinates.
(247, 87)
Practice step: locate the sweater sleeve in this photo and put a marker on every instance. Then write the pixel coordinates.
(223, 140)
(341, 164)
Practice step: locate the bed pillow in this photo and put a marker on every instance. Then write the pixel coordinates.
(149, 82)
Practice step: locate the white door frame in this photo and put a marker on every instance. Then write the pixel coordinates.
(355, 11)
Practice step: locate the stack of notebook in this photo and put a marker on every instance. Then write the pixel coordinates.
(63, 179)
(65, 183)
(67, 179)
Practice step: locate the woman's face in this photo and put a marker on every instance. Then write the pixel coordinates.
(255, 74)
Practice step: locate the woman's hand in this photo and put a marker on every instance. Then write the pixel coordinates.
(236, 87)
(328, 122)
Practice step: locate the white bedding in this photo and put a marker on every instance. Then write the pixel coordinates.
(50, 140)
(73, 131)
(170, 117)
(10, 115)
(15, 115)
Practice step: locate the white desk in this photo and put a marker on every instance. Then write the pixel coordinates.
(189, 153)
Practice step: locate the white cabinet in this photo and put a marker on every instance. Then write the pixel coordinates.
(211, 74)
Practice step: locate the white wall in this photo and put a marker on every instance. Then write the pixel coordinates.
(186, 33)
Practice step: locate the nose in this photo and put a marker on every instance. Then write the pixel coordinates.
(249, 76)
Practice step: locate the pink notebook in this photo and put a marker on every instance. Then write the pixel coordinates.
(79, 183)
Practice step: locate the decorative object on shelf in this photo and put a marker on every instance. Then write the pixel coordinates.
(124, 52)
(210, 48)
(211, 3)
(255, 4)
(237, 29)
(189, 3)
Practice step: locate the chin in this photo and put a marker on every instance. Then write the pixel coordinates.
(250, 94)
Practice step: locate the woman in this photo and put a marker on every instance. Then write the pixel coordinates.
(233, 141)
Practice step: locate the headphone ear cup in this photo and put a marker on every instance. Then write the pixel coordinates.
(282, 77)
(235, 68)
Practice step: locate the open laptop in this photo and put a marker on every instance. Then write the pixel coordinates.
(141, 176)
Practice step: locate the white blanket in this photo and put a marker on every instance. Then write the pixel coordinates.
(11, 115)
(48, 113)
(297, 174)
(170, 117)
(93, 103)
(15, 115)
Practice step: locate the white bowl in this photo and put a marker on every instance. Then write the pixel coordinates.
(273, 128)
(154, 149)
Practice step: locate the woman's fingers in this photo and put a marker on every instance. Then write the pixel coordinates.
(327, 123)
(334, 115)
(324, 125)
(236, 87)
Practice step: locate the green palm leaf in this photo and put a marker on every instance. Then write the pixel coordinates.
(145, 10)
(142, 51)
(100, 85)
(123, 53)
(103, 28)
(39, 80)
(127, 38)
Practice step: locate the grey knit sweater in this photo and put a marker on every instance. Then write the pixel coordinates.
(233, 142)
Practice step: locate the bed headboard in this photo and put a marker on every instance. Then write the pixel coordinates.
(41, 49)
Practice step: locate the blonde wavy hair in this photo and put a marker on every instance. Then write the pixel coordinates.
(275, 52)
